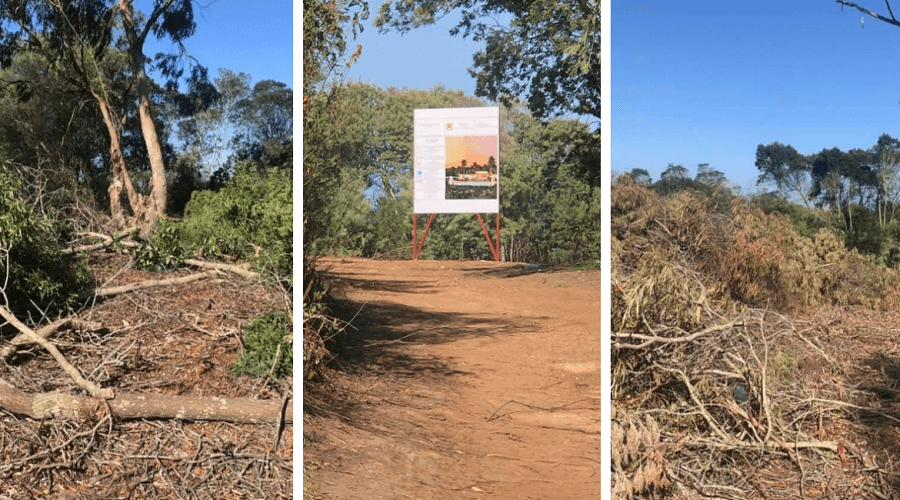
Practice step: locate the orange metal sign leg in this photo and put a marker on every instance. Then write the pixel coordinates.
(495, 251)
(417, 246)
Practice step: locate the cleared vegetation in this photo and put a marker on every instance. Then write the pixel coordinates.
(748, 360)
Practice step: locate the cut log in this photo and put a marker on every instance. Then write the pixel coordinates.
(133, 405)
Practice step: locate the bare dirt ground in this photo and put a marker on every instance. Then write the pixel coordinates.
(460, 380)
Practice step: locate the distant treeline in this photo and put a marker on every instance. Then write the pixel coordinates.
(855, 193)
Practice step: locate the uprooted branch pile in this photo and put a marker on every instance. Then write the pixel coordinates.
(717, 391)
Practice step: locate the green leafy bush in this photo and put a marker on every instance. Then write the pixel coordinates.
(33, 271)
(251, 217)
(267, 351)
(163, 252)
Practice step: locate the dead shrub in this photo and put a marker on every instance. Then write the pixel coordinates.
(701, 344)
(637, 458)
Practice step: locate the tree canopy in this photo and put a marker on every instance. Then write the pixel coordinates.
(548, 55)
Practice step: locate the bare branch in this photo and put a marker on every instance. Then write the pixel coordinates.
(67, 367)
(890, 20)
(107, 292)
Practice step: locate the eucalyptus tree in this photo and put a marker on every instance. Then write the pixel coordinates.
(709, 176)
(210, 113)
(639, 176)
(48, 126)
(886, 154)
(673, 179)
(789, 170)
(77, 38)
(266, 124)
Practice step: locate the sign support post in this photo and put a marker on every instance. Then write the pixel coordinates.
(417, 247)
(495, 250)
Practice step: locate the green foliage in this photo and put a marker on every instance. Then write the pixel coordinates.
(164, 251)
(806, 221)
(856, 191)
(358, 186)
(251, 217)
(455, 236)
(390, 225)
(267, 349)
(32, 267)
(550, 208)
(548, 55)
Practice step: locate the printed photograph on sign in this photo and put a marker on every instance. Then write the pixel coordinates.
(456, 161)
(471, 167)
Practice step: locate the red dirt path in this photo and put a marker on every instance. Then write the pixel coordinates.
(462, 380)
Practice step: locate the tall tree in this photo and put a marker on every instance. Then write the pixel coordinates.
(639, 176)
(886, 154)
(331, 129)
(549, 55)
(76, 37)
(708, 175)
(211, 116)
(267, 123)
(47, 124)
(790, 171)
(173, 19)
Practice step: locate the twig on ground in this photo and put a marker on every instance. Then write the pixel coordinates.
(67, 367)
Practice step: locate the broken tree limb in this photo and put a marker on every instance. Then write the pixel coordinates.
(223, 267)
(132, 405)
(67, 367)
(115, 290)
(107, 241)
(652, 339)
(46, 332)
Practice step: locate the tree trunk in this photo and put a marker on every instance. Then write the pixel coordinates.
(157, 168)
(156, 205)
(121, 180)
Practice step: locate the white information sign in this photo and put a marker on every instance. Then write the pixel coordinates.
(456, 160)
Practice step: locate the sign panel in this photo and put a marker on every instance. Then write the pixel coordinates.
(456, 160)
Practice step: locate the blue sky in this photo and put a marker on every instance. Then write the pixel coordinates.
(248, 37)
(706, 82)
(420, 59)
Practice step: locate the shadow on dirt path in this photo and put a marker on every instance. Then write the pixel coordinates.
(460, 380)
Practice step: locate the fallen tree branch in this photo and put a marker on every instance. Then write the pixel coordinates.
(770, 445)
(107, 241)
(115, 290)
(653, 339)
(239, 270)
(67, 367)
(133, 405)
(46, 332)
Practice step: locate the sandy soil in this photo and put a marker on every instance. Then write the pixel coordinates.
(460, 380)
